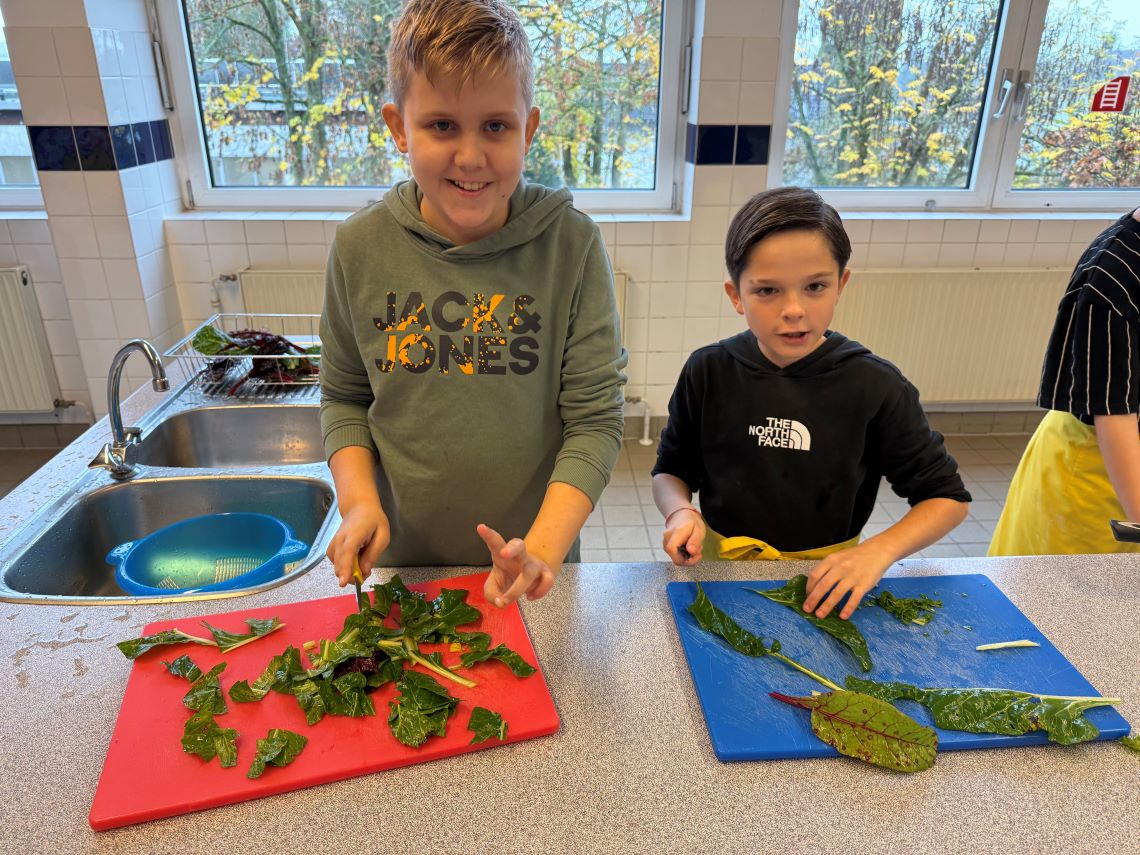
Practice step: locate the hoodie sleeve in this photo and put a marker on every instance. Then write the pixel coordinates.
(679, 451)
(913, 457)
(591, 400)
(346, 393)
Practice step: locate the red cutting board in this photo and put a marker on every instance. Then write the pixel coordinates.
(148, 776)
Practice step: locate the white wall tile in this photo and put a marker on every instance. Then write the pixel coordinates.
(69, 372)
(717, 102)
(43, 101)
(712, 185)
(704, 299)
(52, 300)
(308, 256)
(956, 255)
(634, 234)
(885, 255)
(114, 234)
(761, 60)
(224, 231)
(924, 231)
(858, 231)
(115, 100)
(191, 262)
(747, 181)
(185, 231)
(994, 231)
(920, 255)
(76, 52)
(636, 334)
(670, 263)
(137, 108)
(93, 319)
(720, 58)
(634, 260)
(304, 231)
(888, 231)
(637, 298)
(141, 235)
(155, 271)
(989, 254)
(227, 258)
(264, 231)
(32, 51)
(756, 103)
(268, 256)
(671, 232)
(1018, 254)
(698, 332)
(45, 13)
(74, 237)
(84, 278)
(104, 193)
(1055, 255)
(960, 231)
(131, 319)
(706, 262)
(665, 301)
(65, 193)
(663, 368)
(108, 48)
(665, 334)
(144, 53)
(1023, 231)
(126, 15)
(30, 230)
(61, 338)
(1054, 231)
(123, 282)
(1085, 230)
(742, 17)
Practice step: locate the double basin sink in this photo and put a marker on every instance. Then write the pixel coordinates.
(195, 458)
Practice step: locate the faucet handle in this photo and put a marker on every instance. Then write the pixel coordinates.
(114, 458)
(132, 435)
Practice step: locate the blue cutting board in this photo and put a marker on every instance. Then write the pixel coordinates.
(746, 724)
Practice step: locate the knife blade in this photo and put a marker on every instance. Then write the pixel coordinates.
(357, 578)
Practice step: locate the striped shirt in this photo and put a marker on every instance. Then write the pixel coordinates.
(1092, 363)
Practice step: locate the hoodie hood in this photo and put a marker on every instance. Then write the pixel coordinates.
(836, 348)
(533, 208)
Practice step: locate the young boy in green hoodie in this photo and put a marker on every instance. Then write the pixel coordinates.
(787, 428)
(471, 370)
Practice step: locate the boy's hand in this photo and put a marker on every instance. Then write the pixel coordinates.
(364, 533)
(856, 571)
(514, 571)
(684, 536)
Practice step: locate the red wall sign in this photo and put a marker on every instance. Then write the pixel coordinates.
(1110, 98)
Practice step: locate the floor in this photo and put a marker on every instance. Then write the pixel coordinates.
(626, 526)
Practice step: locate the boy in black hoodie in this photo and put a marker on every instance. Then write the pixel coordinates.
(786, 428)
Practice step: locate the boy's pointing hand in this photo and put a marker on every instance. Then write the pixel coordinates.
(514, 571)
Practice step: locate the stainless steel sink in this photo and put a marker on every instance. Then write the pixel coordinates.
(62, 557)
(229, 436)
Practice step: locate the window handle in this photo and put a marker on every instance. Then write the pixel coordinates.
(1004, 90)
(1021, 99)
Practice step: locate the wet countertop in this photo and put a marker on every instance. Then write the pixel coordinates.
(631, 769)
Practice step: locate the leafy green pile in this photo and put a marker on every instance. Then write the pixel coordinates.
(793, 594)
(222, 639)
(918, 610)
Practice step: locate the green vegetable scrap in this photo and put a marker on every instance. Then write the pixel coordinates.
(1003, 711)
(183, 666)
(917, 610)
(228, 641)
(136, 647)
(869, 729)
(420, 710)
(206, 691)
(202, 736)
(793, 594)
(1003, 645)
(486, 724)
(280, 747)
(1132, 742)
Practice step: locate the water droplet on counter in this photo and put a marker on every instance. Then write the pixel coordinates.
(124, 616)
(69, 618)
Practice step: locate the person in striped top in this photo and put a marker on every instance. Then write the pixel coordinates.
(1082, 466)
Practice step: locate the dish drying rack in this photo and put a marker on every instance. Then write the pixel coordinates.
(212, 376)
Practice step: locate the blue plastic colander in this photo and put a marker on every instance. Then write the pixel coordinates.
(217, 552)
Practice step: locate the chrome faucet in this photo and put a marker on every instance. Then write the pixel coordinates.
(114, 455)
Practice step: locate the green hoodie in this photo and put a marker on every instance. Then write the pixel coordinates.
(477, 374)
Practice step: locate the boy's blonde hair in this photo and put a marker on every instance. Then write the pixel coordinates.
(463, 39)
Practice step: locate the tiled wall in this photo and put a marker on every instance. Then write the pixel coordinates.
(675, 299)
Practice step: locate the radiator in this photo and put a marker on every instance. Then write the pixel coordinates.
(300, 292)
(27, 378)
(962, 337)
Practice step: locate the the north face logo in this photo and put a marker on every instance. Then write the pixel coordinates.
(782, 433)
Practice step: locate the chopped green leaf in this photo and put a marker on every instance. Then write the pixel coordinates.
(485, 724)
(202, 736)
(793, 594)
(280, 747)
(228, 641)
(519, 666)
(918, 610)
(420, 710)
(1132, 742)
(206, 692)
(183, 666)
(136, 647)
(869, 729)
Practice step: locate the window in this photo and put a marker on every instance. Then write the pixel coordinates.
(285, 96)
(17, 166)
(962, 103)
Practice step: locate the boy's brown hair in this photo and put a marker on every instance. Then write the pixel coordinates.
(461, 39)
(783, 209)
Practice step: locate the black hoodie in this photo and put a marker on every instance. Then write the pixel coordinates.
(793, 456)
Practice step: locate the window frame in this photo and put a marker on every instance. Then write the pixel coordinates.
(199, 194)
(1019, 35)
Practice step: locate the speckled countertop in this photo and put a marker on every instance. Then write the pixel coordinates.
(631, 770)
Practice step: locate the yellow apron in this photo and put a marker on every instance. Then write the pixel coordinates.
(751, 549)
(1060, 500)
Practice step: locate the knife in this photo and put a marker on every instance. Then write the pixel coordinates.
(358, 577)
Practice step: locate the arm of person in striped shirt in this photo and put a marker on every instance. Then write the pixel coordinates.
(1119, 441)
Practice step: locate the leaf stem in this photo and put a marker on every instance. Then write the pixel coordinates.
(817, 677)
(252, 638)
(443, 672)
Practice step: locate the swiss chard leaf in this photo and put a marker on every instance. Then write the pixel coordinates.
(917, 610)
(275, 676)
(227, 641)
(183, 666)
(136, 647)
(519, 666)
(1131, 742)
(1004, 711)
(869, 729)
(486, 724)
(793, 594)
(206, 692)
(712, 619)
(280, 747)
(420, 710)
(202, 736)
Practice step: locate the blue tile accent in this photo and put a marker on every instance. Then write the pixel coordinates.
(715, 144)
(144, 146)
(160, 133)
(95, 150)
(54, 147)
(752, 142)
(123, 140)
(690, 143)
